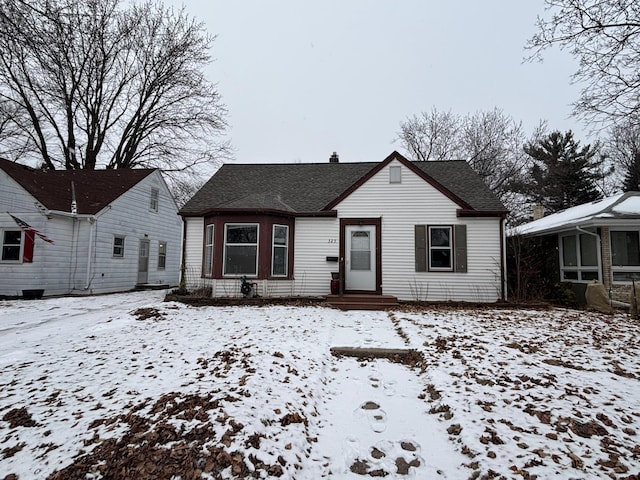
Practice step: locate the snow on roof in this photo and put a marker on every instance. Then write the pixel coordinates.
(628, 206)
(620, 205)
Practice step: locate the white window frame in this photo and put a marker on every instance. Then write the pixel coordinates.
(21, 245)
(579, 269)
(162, 255)
(431, 248)
(256, 245)
(207, 267)
(284, 246)
(154, 199)
(120, 247)
(628, 269)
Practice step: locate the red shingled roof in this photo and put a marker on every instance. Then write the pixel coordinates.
(95, 189)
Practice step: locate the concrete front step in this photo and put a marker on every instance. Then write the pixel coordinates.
(362, 301)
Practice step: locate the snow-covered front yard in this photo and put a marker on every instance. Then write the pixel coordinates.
(130, 387)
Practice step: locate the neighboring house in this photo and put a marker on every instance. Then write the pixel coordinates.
(415, 230)
(110, 230)
(595, 241)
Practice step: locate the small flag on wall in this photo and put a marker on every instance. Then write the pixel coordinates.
(29, 229)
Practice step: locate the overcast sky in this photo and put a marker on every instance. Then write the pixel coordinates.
(302, 79)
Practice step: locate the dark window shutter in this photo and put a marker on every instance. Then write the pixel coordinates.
(460, 242)
(421, 248)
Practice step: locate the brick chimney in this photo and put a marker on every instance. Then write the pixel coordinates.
(334, 158)
(538, 212)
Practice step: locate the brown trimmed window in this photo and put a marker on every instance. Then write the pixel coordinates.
(280, 252)
(241, 249)
(207, 268)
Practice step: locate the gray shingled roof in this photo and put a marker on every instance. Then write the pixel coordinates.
(310, 187)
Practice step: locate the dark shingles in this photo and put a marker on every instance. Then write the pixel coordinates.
(94, 189)
(310, 187)
(460, 179)
(297, 187)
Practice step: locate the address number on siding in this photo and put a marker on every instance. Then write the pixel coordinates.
(333, 240)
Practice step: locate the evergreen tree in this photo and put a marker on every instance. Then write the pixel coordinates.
(563, 174)
(631, 181)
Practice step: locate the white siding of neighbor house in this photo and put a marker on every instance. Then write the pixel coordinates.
(18, 276)
(130, 216)
(412, 202)
(86, 242)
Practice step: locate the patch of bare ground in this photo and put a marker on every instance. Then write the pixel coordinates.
(19, 417)
(154, 448)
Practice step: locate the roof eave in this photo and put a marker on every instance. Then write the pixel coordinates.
(586, 222)
(256, 211)
(465, 212)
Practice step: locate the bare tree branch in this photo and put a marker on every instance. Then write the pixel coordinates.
(604, 36)
(107, 83)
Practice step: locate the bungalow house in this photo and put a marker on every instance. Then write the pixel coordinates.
(429, 231)
(595, 241)
(86, 231)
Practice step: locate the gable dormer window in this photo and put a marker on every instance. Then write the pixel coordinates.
(395, 174)
(153, 201)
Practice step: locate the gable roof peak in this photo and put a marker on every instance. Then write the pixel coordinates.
(94, 189)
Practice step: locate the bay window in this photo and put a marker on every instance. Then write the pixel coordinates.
(208, 251)
(280, 254)
(241, 249)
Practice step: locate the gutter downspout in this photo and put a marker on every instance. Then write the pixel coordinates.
(93, 219)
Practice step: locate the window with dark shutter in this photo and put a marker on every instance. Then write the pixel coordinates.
(437, 250)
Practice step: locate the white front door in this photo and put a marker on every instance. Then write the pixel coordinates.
(360, 257)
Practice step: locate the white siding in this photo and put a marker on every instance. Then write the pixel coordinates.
(315, 240)
(15, 277)
(130, 216)
(194, 232)
(401, 206)
(81, 242)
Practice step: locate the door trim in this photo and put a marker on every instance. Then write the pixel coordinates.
(147, 242)
(377, 222)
